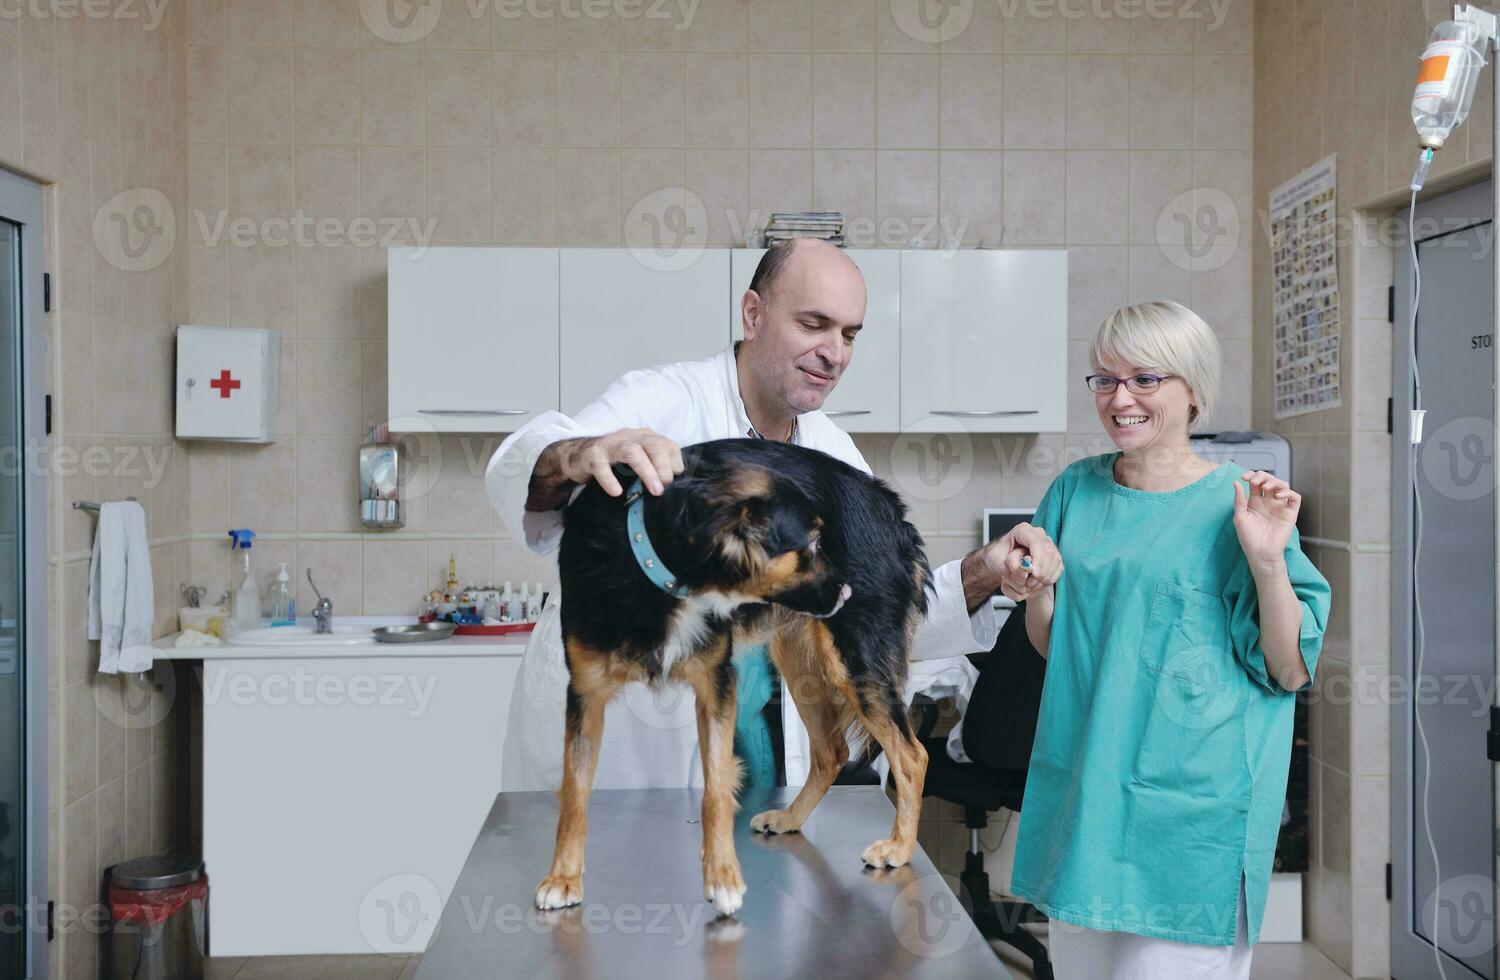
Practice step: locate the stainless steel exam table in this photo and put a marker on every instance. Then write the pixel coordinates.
(812, 910)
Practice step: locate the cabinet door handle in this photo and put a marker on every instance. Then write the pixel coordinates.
(473, 411)
(840, 412)
(987, 413)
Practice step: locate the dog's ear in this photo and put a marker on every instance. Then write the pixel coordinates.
(745, 522)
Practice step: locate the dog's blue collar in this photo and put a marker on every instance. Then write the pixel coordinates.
(640, 543)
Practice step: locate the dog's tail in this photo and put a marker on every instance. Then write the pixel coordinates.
(736, 780)
(855, 733)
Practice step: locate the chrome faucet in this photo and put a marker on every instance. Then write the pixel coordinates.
(323, 611)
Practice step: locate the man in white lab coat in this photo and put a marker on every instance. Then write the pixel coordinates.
(801, 313)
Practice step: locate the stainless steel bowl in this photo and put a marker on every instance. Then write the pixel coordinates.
(415, 633)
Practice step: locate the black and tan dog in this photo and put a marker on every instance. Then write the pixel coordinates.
(754, 541)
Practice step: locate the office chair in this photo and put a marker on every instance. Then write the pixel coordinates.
(999, 726)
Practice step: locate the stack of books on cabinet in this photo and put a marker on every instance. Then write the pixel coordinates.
(785, 225)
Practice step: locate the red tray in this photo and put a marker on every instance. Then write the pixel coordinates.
(503, 629)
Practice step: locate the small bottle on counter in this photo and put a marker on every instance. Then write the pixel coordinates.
(283, 602)
(512, 605)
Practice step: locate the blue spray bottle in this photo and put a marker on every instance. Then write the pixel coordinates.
(245, 609)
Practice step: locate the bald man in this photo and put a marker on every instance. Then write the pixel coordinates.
(801, 314)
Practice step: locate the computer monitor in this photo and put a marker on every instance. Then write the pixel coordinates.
(997, 521)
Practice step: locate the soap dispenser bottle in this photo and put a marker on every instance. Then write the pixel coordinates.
(283, 602)
(245, 614)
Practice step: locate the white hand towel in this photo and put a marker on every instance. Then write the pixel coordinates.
(122, 604)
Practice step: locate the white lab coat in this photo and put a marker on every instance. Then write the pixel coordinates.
(650, 735)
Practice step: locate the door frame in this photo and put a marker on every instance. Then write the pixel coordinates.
(1411, 955)
(21, 203)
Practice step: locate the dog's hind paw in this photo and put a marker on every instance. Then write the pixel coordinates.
(887, 854)
(559, 891)
(774, 822)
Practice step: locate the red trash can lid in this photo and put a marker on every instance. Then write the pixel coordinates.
(157, 871)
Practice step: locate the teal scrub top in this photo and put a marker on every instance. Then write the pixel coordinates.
(1159, 770)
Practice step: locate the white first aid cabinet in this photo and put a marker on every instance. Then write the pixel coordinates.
(227, 383)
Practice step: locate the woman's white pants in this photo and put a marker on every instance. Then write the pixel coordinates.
(1080, 953)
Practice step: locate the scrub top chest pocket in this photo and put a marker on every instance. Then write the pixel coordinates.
(1186, 627)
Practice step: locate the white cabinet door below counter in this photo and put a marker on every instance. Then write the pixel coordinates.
(341, 795)
(984, 340)
(619, 315)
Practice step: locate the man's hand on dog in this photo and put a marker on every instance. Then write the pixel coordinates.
(654, 457)
(1010, 555)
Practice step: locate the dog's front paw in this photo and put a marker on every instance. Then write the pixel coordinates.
(887, 854)
(559, 891)
(774, 822)
(723, 886)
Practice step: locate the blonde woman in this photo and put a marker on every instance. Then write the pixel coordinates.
(1185, 620)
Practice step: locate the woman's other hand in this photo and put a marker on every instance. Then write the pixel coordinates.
(1264, 518)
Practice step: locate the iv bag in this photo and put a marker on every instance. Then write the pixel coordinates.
(1445, 86)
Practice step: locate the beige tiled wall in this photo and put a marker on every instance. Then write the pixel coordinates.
(1335, 76)
(91, 106)
(1040, 131)
(1043, 131)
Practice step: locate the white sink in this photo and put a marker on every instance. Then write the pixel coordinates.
(281, 636)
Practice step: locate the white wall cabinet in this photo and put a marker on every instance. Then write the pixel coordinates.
(867, 398)
(472, 337)
(984, 336)
(483, 339)
(618, 315)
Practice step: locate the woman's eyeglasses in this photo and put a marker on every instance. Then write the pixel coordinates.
(1141, 384)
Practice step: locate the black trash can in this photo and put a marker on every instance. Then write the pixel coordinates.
(158, 914)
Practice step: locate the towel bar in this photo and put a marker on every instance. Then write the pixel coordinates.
(90, 505)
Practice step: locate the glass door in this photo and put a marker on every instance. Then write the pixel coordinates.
(1443, 613)
(23, 680)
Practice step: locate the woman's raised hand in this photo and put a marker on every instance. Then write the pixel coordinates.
(1264, 518)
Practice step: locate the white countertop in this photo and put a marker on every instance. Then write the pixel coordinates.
(513, 645)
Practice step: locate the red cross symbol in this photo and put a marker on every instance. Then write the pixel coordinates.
(224, 383)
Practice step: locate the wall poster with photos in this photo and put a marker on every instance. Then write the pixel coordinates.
(1305, 291)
